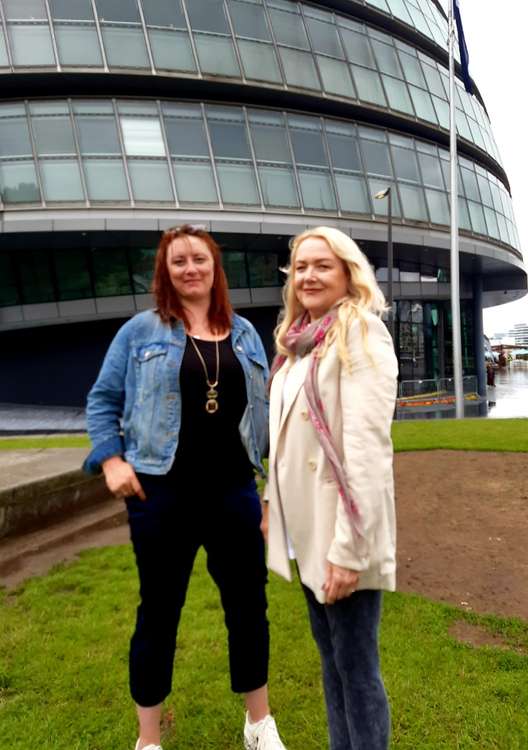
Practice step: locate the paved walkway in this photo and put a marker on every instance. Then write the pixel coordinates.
(23, 467)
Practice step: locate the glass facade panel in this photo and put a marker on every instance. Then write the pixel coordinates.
(380, 207)
(278, 187)
(398, 95)
(377, 158)
(387, 58)
(216, 55)
(78, 45)
(478, 221)
(30, 10)
(352, 192)
(111, 274)
(237, 184)
(308, 146)
(358, 48)
(431, 171)
(162, 13)
(317, 190)
(125, 47)
(270, 141)
(61, 180)
(289, 28)
(72, 274)
(97, 135)
(263, 269)
(259, 61)
(324, 37)
(53, 135)
(14, 138)
(369, 87)
(150, 180)
(208, 15)
(18, 183)
(71, 10)
(105, 180)
(31, 45)
(142, 268)
(413, 203)
(336, 77)
(171, 50)
(236, 271)
(405, 164)
(195, 182)
(344, 151)
(229, 140)
(438, 207)
(3, 50)
(186, 137)
(423, 104)
(249, 20)
(299, 69)
(142, 136)
(34, 271)
(125, 11)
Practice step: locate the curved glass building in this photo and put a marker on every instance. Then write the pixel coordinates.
(253, 119)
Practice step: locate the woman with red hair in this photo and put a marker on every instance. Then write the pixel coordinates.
(178, 421)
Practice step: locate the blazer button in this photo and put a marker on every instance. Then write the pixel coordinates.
(312, 464)
(305, 415)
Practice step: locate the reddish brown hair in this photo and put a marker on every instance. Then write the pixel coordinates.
(168, 303)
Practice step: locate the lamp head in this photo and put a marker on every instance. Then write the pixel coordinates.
(382, 194)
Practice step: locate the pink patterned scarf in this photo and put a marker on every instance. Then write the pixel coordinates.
(302, 338)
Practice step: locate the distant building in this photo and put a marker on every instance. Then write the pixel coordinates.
(254, 119)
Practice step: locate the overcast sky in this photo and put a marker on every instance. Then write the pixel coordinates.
(498, 51)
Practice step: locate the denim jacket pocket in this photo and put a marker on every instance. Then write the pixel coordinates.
(150, 363)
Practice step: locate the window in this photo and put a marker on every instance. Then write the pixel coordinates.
(34, 272)
(61, 180)
(142, 267)
(234, 264)
(18, 183)
(111, 274)
(72, 274)
(249, 20)
(263, 269)
(142, 136)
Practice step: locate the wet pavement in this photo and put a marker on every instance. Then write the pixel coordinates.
(18, 419)
(509, 396)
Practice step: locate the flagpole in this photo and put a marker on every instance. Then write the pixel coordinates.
(455, 268)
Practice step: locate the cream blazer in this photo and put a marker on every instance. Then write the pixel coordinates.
(304, 502)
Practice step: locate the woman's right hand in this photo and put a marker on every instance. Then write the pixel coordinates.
(121, 478)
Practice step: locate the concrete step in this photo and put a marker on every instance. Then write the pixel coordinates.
(34, 552)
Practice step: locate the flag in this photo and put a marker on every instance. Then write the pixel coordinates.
(464, 55)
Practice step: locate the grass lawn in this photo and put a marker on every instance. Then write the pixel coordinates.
(63, 669)
(467, 434)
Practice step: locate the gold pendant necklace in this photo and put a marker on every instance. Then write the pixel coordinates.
(211, 405)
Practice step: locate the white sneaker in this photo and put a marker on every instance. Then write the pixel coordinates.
(149, 747)
(263, 735)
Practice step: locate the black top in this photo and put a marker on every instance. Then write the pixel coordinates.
(209, 445)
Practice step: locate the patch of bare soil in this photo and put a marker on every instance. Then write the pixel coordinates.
(478, 636)
(462, 523)
(462, 531)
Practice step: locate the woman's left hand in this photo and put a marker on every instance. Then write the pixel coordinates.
(340, 582)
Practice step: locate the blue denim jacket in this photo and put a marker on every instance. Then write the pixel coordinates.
(134, 407)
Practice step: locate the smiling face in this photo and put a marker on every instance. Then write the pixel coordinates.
(319, 277)
(191, 268)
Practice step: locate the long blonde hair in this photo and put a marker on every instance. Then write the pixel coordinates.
(363, 292)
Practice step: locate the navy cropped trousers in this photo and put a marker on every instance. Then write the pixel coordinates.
(166, 531)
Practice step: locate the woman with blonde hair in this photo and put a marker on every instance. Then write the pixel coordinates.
(330, 497)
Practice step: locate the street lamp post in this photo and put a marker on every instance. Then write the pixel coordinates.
(387, 193)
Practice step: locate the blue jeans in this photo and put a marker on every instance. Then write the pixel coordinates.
(346, 634)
